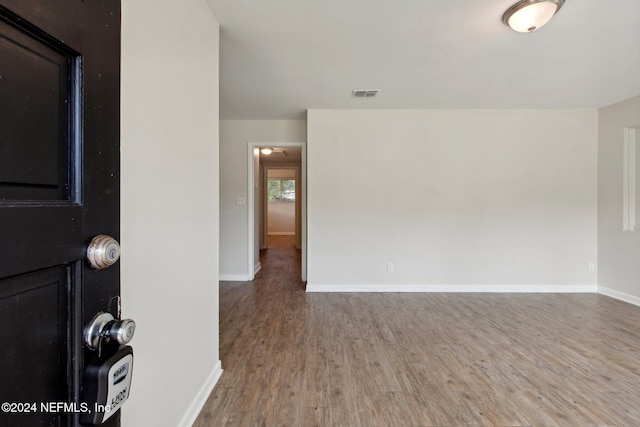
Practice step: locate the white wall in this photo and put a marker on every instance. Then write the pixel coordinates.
(618, 251)
(170, 206)
(234, 138)
(455, 199)
(282, 218)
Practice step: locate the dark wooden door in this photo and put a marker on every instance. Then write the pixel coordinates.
(59, 187)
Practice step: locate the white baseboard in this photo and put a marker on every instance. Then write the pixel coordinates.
(454, 288)
(234, 278)
(201, 398)
(631, 299)
(281, 233)
(240, 277)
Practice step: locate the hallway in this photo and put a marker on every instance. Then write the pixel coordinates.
(372, 359)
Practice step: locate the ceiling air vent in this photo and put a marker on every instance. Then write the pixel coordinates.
(368, 93)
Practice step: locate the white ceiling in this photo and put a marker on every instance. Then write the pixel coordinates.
(281, 57)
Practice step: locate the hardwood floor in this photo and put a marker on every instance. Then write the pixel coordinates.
(297, 359)
(281, 242)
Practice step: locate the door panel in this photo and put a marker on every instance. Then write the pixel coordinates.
(33, 318)
(59, 187)
(35, 139)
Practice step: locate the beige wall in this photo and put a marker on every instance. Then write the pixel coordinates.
(618, 250)
(170, 210)
(455, 199)
(282, 173)
(235, 136)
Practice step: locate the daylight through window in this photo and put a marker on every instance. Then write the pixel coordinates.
(281, 190)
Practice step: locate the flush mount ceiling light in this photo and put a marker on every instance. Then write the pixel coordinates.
(528, 15)
(266, 151)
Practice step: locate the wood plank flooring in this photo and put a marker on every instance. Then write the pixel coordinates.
(297, 359)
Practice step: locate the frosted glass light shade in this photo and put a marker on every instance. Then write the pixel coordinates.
(529, 15)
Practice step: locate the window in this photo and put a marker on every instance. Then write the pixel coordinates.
(281, 190)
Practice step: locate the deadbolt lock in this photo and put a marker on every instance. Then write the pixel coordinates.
(103, 252)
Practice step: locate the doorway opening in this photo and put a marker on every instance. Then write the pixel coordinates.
(282, 213)
(276, 201)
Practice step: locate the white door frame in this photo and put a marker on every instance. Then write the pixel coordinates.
(251, 202)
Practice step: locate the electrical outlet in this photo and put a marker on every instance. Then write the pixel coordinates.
(389, 267)
(591, 266)
(241, 201)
